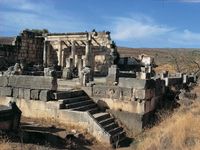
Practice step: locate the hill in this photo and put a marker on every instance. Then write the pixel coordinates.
(171, 59)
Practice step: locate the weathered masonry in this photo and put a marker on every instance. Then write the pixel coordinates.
(82, 49)
(28, 46)
(7, 51)
(60, 83)
(66, 50)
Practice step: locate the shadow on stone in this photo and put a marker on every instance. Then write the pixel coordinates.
(48, 137)
(126, 142)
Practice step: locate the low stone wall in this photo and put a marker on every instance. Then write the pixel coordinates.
(136, 83)
(114, 92)
(28, 87)
(171, 81)
(139, 101)
(50, 111)
(139, 107)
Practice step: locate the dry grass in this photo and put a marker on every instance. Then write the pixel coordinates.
(18, 146)
(182, 60)
(165, 67)
(180, 131)
(4, 144)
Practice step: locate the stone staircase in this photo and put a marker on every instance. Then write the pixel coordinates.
(79, 101)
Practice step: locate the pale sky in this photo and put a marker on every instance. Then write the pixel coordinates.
(132, 23)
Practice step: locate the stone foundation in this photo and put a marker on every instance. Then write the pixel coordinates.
(50, 111)
(134, 123)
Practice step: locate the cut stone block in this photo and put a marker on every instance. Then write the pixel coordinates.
(67, 73)
(6, 91)
(3, 81)
(113, 75)
(46, 95)
(16, 92)
(27, 94)
(35, 94)
(106, 91)
(33, 82)
(21, 93)
(136, 83)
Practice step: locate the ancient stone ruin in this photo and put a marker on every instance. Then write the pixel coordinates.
(79, 79)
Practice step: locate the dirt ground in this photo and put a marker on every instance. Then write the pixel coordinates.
(39, 134)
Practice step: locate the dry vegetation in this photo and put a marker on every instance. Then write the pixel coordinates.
(50, 130)
(172, 60)
(179, 131)
(6, 145)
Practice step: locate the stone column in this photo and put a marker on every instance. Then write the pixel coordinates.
(76, 61)
(45, 54)
(73, 50)
(48, 53)
(87, 54)
(60, 53)
(83, 58)
(89, 58)
(62, 57)
(80, 67)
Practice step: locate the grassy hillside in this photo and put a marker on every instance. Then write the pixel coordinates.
(173, 60)
(178, 131)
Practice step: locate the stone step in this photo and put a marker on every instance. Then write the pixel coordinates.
(93, 110)
(110, 126)
(101, 116)
(69, 83)
(106, 121)
(85, 108)
(115, 130)
(78, 104)
(74, 99)
(118, 137)
(68, 94)
(62, 89)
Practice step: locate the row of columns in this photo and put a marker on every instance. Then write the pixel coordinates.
(87, 60)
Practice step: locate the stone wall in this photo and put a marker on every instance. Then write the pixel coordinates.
(28, 87)
(133, 123)
(30, 47)
(132, 100)
(27, 46)
(133, 95)
(8, 52)
(50, 111)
